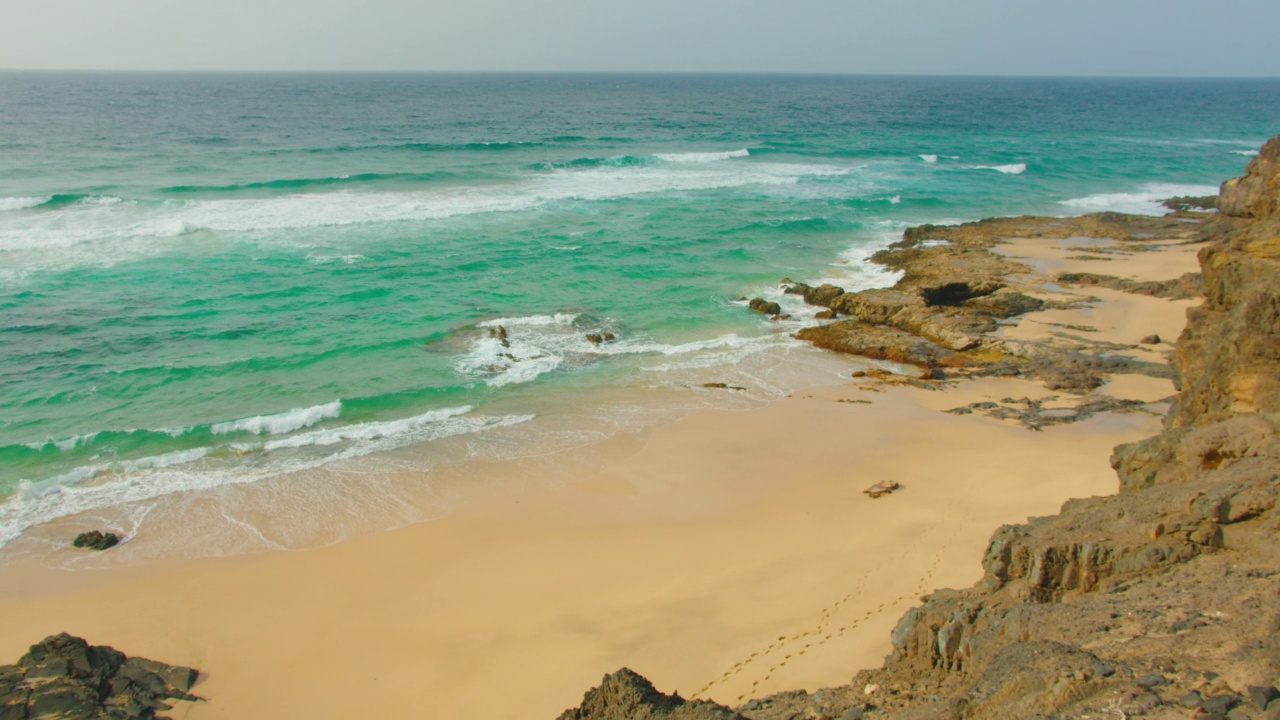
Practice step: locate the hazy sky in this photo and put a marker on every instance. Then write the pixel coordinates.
(1005, 37)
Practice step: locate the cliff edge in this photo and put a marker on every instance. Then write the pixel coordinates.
(1162, 601)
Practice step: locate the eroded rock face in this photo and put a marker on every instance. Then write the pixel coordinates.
(1181, 288)
(1228, 358)
(625, 695)
(1158, 601)
(66, 678)
(1105, 607)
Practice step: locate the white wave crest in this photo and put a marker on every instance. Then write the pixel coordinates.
(702, 156)
(280, 423)
(368, 430)
(1145, 201)
(65, 444)
(557, 319)
(1011, 169)
(104, 231)
(179, 457)
(929, 158)
(1246, 153)
(539, 344)
(94, 487)
(21, 203)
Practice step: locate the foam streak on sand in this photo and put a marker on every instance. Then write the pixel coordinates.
(112, 485)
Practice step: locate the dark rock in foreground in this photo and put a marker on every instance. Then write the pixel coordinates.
(625, 695)
(64, 677)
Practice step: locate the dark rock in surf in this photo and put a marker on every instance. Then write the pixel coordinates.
(96, 540)
(765, 307)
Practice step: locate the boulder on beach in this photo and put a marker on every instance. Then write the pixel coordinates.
(66, 678)
(96, 540)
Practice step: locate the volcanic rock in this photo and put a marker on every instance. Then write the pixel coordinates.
(96, 540)
(66, 678)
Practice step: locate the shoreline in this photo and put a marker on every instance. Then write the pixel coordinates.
(715, 553)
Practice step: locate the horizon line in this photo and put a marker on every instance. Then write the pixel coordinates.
(728, 73)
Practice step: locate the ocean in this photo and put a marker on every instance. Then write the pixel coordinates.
(253, 311)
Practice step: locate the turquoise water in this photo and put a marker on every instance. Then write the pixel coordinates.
(223, 279)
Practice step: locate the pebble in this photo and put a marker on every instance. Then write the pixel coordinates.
(1192, 700)
(1262, 696)
(853, 713)
(1238, 714)
(1153, 680)
(1220, 704)
(1273, 711)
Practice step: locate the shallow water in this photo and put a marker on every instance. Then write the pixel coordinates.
(272, 295)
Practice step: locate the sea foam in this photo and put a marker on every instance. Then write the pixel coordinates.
(21, 203)
(702, 156)
(280, 423)
(1011, 169)
(103, 230)
(94, 487)
(1146, 201)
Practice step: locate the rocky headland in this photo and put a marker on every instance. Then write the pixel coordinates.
(1161, 601)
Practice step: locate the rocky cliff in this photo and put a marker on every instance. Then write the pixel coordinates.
(1161, 601)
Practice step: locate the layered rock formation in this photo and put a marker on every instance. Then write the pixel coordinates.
(1161, 601)
(955, 289)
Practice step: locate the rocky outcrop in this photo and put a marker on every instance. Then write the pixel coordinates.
(1159, 601)
(955, 289)
(625, 695)
(64, 677)
(1184, 203)
(1181, 288)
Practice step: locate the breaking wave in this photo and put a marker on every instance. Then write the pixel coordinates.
(1145, 201)
(101, 485)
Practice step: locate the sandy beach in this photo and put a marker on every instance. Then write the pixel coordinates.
(726, 555)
